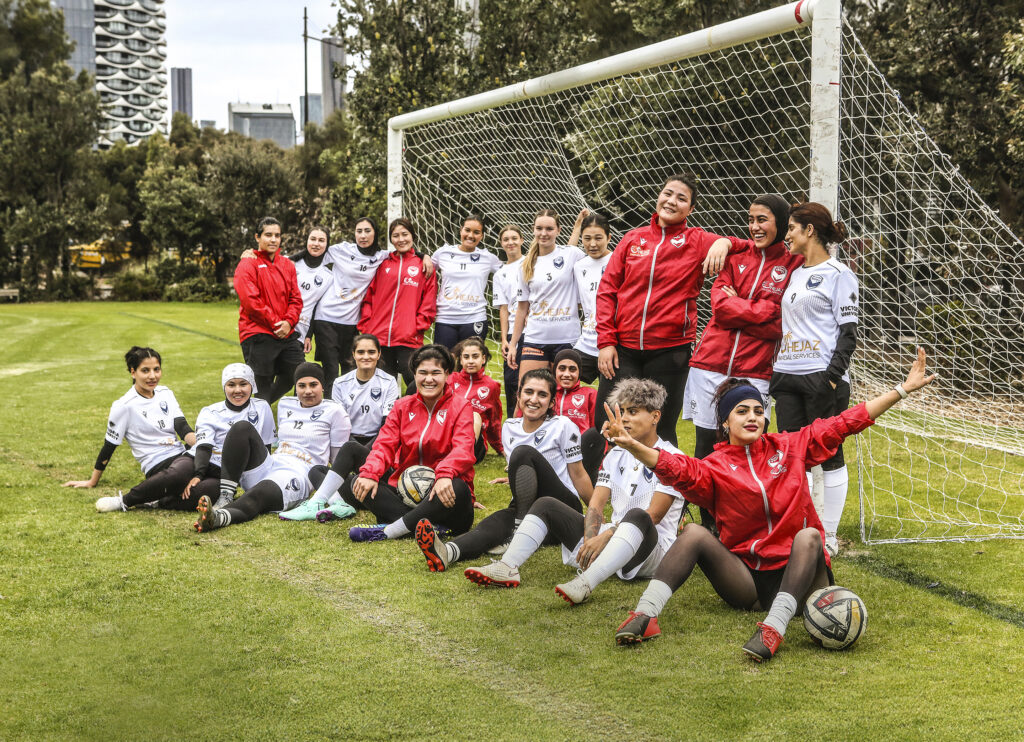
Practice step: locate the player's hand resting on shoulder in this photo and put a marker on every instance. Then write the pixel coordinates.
(444, 491)
(364, 486)
(249, 253)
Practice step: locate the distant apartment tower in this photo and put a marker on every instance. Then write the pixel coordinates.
(332, 55)
(127, 52)
(273, 121)
(181, 91)
(316, 111)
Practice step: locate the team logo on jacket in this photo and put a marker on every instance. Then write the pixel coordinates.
(733, 466)
(253, 416)
(456, 385)
(578, 400)
(387, 269)
(163, 407)
(412, 415)
(679, 240)
(475, 257)
(316, 415)
(375, 394)
(775, 462)
(643, 241)
(482, 392)
(814, 281)
(413, 270)
(559, 262)
(539, 436)
(441, 416)
(779, 273)
(741, 268)
(319, 280)
(637, 251)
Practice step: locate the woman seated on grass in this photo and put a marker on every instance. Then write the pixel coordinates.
(367, 392)
(149, 419)
(771, 553)
(311, 429)
(645, 513)
(430, 427)
(543, 459)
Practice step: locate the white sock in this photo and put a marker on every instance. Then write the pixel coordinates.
(620, 549)
(453, 550)
(653, 601)
(836, 484)
(328, 488)
(333, 498)
(396, 529)
(782, 611)
(526, 540)
(228, 488)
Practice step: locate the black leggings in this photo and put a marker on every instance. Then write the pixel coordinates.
(243, 450)
(800, 399)
(165, 480)
(388, 506)
(394, 359)
(667, 366)
(333, 349)
(593, 446)
(210, 486)
(529, 475)
(566, 525)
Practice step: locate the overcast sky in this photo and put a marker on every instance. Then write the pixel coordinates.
(244, 50)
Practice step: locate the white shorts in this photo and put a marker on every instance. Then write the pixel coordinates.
(641, 571)
(287, 472)
(699, 395)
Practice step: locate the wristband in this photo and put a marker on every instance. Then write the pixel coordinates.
(901, 391)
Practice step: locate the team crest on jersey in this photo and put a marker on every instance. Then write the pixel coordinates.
(648, 474)
(559, 262)
(413, 270)
(482, 392)
(814, 281)
(293, 485)
(163, 407)
(316, 415)
(387, 269)
(253, 416)
(578, 400)
(779, 273)
(478, 327)
(775, 462)
(475, 257)
(441, 416)
(679, 240)
(539, 436)
(574, 438)
(375, 394)
(319, 280)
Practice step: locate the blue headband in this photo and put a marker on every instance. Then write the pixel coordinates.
(733, 397)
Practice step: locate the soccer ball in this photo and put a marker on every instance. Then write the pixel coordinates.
(415, 484)
(835, 617)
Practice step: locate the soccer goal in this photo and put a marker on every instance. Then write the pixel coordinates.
(784, 101)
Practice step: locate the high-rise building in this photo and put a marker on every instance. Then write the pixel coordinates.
(332, 55)
(181, 90)
(127, 51)
(273, 121)
(316, 111)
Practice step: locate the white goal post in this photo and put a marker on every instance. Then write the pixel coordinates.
(783, 101)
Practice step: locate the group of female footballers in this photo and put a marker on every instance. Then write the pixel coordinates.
(783, 325)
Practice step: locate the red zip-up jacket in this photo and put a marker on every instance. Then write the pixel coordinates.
(744, 330)
(268, 292)
(758, 493)
(484, 394)
(577, 404)
(441, 439)
(648, 294)
(401, 302)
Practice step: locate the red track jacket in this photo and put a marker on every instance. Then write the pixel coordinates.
(400, 303)
(484, 394)
(442, 439)
(577, 404)
(648, 295)
(758, 493)
(744, 331)
(268, 292)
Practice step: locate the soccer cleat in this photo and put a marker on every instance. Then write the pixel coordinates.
(207, 516)
(303, 511)
(831, 544)
(500, 549)
(575, 591)
(637, 628)
(764, 643)
(495, 574)
(337, 511)
(435, 551)
(367, 533)
(110, 504)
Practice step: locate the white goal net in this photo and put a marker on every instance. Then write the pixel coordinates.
(937, 267)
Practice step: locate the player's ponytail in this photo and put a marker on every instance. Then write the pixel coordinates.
(134, 357)
(534, 251)
(826, 231)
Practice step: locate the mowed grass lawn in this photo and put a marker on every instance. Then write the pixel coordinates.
(131, 626)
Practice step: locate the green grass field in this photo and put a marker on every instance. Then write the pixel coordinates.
(131, 626)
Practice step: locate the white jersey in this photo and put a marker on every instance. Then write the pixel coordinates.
(817, 301)
(588, 272)
(505, 290)
(147, 424)
(352, 272)
(633, 485)
(557, 440)
(215, 421)
(309, 433)
(367, 403)
(554, 302)
(462, 293)
(313, 283)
